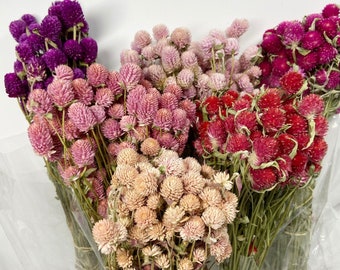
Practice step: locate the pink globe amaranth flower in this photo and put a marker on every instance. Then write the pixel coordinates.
(39, 102)
(97, 74)
(330, 10)
(190, 93)
(114, 82)
(134, 98)
(189, 107)
(99, 113)
(180, 120)
(156, 74)
(111, 129)
(97, 191)
(311, 40)
(70, 130)
(148, 54)
(333, 80)
(158, 47)
(64, 72)
(244, 83)
(246, 57)
(292, 33)
(82, 116)
(317, 150)
(327, 26)
(142, 39)
(166, 140)
(273, 119)
(163, 119)
(189, 59)
(237, 28)
(130, 75)
(160, 31)
(127, 123)
(237, 142)
(168, 101)
(217, 81)
(185, 78)
(181, 37)
(83, 91)
(40, 138)
(271, 43)
(245, 121)
(232, 46)
(102, 207)
(104, 97)
(116, 111)
(265, 149)
(147, 108)
(311, 106)
(68, 173)
(326, 53)
(129, 56)
(82, 153)
(170, 58)
(262, 179)
(61, 92)
(298, 124)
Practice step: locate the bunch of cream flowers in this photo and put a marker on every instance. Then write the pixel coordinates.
(165, 211)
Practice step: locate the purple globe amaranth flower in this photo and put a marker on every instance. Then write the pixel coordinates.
(333, 80)
(310, 19)
(37, 43)
(50, 27)
(309, 61)
(54, 57)
(28, 19)
(34, 27)
(18, 67)
(17, 28)
(36, 69)
(321, 76)
(90, 50)
(24, 51)
(312, 40)
(69, 12)
(82, 116)
(14, 86)
(73, 49)
(330, 10)
(271, 43)
(292, 33)
(327, 26)
(78, 73)
(326, 53)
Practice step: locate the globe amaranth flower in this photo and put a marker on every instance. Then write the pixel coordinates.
(170, 58)
(71, 14)
(82, 153)
(193, 229)
(263, 178)
(327, 26)
(292, 33)
(97, 74)
(54, 57)
(311, 106)
(311, 40)
(36, 69)
(82, 116)
(130, 75)
(61, 92)
(237, 142)
(50, 27)
(17, 28)
(160, 31)
(15, 87)
(64, 72)
(40, 138)
(318, 149)
(271, 43)
(330, 10)
(326, 53)
(297, 124)
(181, 37)
(147, 109)
(73, 49)
(111, 129)
(90, 50)
(141, 39)
(104, 97)
(24, 51)
(273, 119)
(39, 102)
(237, 28)
(291, 82)
(83, 91)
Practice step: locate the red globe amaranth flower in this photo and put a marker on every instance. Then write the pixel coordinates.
(291, 82)
(270, 99)
(265, 149)
(311, 106)
(246, 120)
(242, 103)
(302, 139)
(299, 162)
(317, 150)
(273, 119)
(321, 125)
(212, 105)
(298, 124)
(262, 179)
(237, 142)
(216, 132)
(228, 98)
(287, 143)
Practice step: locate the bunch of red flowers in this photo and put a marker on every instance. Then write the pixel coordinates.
(271, 137)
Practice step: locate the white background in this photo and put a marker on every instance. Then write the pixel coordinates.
(32, 232)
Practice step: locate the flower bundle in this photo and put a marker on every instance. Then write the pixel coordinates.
(165, 212)
(191, 151)
(312, 45)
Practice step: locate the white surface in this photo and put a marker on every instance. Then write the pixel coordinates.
(113, 24)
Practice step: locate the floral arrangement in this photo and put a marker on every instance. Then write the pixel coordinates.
(192, 154)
